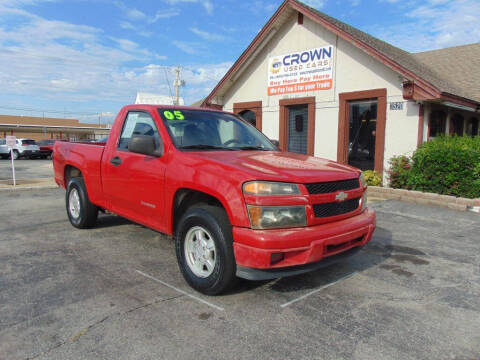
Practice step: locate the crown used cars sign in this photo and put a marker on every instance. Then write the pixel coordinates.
(301, 71)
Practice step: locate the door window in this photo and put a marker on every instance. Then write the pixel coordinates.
(138, 123)
(362, 134)
(298, 129)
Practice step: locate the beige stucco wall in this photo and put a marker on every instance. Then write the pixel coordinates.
(354, 70)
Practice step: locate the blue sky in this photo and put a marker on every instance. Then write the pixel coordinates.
(81, 58)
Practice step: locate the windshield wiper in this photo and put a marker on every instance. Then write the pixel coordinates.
(205, 147)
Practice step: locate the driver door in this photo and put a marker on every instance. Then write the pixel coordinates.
(134, 183)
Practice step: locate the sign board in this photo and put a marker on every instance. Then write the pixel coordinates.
(301, 71)
(396, 105)
(11, 141)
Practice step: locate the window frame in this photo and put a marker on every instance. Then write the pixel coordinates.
(117, 148)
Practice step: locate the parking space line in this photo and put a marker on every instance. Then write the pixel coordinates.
(180, 291)
(317, 290)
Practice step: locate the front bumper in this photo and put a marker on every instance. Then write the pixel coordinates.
(302, 248)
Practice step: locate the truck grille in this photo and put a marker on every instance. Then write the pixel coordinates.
(332, 186)
(335, 208)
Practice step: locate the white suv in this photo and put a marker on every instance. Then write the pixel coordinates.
(26, 148)
(4, 150)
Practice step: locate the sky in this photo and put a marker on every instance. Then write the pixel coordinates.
(85, 59)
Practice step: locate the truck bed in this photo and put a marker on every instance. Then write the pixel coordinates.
(84, 156)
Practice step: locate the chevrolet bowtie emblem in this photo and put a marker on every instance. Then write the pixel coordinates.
(341, 196)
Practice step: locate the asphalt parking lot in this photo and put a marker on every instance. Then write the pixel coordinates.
(27, 169)
(115, 292)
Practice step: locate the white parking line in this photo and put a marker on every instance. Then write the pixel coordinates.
(317, 290)
(180, 291)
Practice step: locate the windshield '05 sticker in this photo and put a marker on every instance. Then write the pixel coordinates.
(175, 115)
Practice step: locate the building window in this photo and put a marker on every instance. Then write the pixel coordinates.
(251, 111)
(436, 125)
(456, 125)
(472, 127)
(249, 116)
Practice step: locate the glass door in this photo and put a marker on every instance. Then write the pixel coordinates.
(298, 129)
(362, 133)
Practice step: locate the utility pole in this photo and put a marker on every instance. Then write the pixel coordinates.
(178, 83)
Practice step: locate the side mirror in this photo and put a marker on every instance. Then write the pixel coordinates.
(145, 144)
(275, 142)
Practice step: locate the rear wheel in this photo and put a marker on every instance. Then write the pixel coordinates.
(81, 212)
(204, 248)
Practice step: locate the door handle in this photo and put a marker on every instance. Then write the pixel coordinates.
(116, 161)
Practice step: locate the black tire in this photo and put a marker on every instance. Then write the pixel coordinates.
(215, 221)
(87, 212)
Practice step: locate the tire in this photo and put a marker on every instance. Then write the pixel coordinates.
(81, 212)
(16, 155)
(213, 221)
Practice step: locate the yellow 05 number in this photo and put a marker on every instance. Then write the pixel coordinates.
(177, 115)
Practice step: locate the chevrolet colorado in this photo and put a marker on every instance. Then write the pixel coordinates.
(235, 205)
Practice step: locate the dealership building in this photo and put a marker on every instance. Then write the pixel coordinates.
(324, 88)
(41, 128)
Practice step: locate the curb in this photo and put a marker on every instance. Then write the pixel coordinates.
(424, 198)
(41, 187)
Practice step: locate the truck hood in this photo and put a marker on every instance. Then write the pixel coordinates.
(279, 166)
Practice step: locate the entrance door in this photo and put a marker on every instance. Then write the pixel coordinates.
(297, 125)
(298, 129)
(362, 133)
(361, 129)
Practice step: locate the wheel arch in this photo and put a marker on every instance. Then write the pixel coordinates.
(184, 198)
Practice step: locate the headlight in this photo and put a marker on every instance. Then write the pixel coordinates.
(270, 188)
(363, 182)
(364, 201)
(269, 217)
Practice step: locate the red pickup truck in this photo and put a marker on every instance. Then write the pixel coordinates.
(235, 204)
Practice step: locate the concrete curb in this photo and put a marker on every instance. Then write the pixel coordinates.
(418, 197)
(17, 188)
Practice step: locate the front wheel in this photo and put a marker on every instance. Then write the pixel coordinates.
(81, 212)
(204, 247)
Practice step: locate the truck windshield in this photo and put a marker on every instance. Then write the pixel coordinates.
(209, 130)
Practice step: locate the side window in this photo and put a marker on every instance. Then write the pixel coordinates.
(138, 123)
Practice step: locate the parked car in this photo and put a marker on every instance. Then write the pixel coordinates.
(4, 150)
(26, 148)
(46, 147)
(236, 205)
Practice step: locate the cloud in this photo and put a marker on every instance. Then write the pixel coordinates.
(207, 4)
(317, 4)
(165, 14)
(189, 47)
(207, 35)
(57, 60)
(134, 14)
(434, 24)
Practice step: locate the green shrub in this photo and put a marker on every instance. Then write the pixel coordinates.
(373, 178)
(447, 165)
(399, 171)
